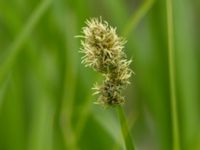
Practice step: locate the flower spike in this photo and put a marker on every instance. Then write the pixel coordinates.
(103, 52)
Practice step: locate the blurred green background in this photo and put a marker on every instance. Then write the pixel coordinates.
(45, 93)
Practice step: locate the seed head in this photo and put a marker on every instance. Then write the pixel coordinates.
(103, 52)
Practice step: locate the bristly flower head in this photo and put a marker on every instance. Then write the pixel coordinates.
(103, 52)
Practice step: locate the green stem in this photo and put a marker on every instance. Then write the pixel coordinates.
(174, 113)
(125, 130)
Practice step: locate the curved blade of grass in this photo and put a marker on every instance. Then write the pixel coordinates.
(171, 51)
(125, 131)
(137, 17)
(15, 47)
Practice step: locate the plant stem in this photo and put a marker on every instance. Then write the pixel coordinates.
(174, 113)
(124, 129)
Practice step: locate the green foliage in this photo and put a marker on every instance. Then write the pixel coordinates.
(45, 93)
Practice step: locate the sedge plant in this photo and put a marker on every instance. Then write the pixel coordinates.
(103, 51)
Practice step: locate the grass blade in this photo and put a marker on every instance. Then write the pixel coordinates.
(137, 16)
(174, 113)
(16, 45)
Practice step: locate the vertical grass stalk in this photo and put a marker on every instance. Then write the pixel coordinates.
(125, 130)
(173, 100)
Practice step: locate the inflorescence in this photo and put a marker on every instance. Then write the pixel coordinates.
(103, 52)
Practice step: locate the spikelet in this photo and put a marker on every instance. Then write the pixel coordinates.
(103, 52)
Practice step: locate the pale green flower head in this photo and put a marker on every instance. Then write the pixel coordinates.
(103, 52)
(101, 45)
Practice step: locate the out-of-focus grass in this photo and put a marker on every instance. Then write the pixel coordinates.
(45, 93)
